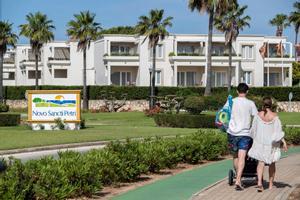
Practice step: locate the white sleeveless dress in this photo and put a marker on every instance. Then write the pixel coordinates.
(266, 140)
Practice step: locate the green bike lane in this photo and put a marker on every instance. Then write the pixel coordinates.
(183, 185)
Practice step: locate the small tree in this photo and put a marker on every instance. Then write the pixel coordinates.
(154, 28)
(7, 38)
(39, 31)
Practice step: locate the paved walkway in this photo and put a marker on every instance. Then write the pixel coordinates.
(287, 177)
(182, 186)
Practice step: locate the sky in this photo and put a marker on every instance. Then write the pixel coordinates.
(126, 12)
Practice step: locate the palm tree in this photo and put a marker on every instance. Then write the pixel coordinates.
(7, 38)
(281, 21)
(39, 31)
(231, 23)
(154, 28)
(294, 19)
(212, 8)
(84, 29)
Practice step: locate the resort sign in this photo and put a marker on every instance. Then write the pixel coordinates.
(49, 105)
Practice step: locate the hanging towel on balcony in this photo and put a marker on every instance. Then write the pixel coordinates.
(280, 49)
(263, 50)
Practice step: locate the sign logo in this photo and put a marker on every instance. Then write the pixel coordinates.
(58, 101)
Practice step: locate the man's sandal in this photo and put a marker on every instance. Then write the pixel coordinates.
(260, 188)
(239, 187)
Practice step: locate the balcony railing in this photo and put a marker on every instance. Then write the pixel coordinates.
(124, 54)
(8, 61)
(279, 56)
(30, 60)
(190, 54)
(224, 54)
(63, 59)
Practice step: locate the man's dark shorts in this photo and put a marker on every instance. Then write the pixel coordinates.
(239, 142)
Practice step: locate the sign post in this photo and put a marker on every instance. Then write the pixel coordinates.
(290, 101)
(47, 108)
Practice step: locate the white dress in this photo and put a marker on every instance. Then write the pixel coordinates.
(266, 140)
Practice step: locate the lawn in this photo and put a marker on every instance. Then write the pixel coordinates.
(101, 126)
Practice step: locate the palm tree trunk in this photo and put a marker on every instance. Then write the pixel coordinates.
(229, 65)
(36, 70)
(209, 52)
(85, 100)
(152, 100)
(1, 76)
(296, 41)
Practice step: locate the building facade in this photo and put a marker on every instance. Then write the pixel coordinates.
(180, 61)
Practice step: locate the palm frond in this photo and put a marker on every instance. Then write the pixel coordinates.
(154, 27)
(84, 29)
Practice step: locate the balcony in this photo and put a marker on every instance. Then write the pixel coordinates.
(61, 57)
(58, 61)
(29, 63)
(126, 57)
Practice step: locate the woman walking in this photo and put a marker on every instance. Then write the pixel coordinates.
(267, 138)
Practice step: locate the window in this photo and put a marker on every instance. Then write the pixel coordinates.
(159, 51)
(158, 77)
(274, 79)
(186, 78)
(62, 53)
(247, 52)
(8, 75)
(219, 79)
(186, 49)
(60, 73)
(247, 77)
(121, 78)
(31, 74)
(120, 49)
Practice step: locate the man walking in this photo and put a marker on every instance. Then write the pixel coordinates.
(239, 130)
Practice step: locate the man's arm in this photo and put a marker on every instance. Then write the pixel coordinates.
(253, 109)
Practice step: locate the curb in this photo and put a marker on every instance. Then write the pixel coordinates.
(52, 147)
(207, 188)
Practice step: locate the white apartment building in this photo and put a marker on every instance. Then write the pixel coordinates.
(127, 60)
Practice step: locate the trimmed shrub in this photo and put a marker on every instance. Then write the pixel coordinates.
(185, 120)
(15, 182)
(9, 119)
(194, 104)
(132, 156)
(48, 180)
(107, 164)
(292, 135)
(81, 174)
(202, 146)
(4, 107)
(215, 102)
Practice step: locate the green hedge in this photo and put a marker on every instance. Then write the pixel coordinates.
(8, 119)
(74, 174)
(136, 93)
(185, 120)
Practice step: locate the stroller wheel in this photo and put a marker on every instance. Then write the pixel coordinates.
(230, 177)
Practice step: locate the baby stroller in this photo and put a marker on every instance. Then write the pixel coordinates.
(249, 170)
